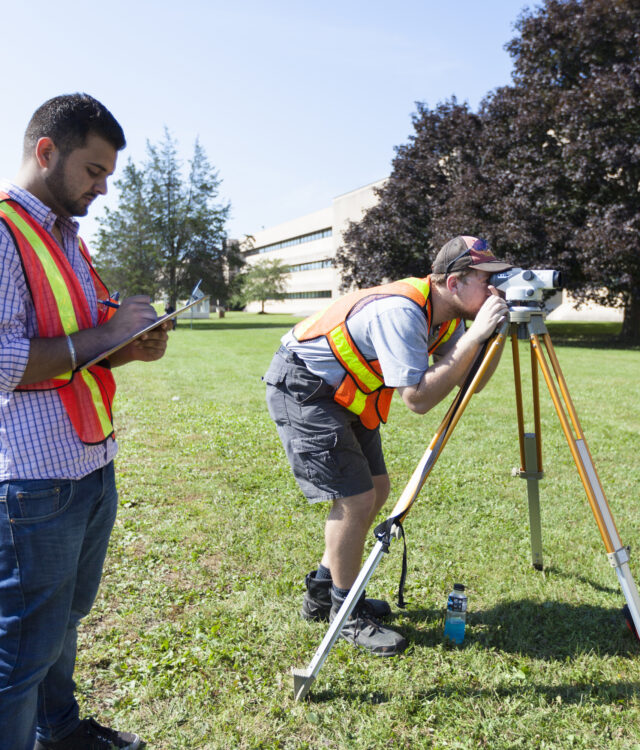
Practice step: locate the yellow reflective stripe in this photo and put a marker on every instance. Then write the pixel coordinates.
(54, 277)
(303, 326)
(420, 284)
(353, 364)
(358, 403)
(452, 327)
(98, 403)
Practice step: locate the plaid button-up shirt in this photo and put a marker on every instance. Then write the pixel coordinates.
(37, 440)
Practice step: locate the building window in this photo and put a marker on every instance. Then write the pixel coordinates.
(320, 235)
(312, 266)
(308, 295)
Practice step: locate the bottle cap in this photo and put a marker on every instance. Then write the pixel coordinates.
(458, 587)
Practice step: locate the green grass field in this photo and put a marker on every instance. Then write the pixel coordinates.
(196, 628)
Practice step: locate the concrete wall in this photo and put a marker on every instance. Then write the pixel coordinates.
(567, 310)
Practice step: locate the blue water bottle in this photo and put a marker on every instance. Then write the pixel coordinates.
(456, 616)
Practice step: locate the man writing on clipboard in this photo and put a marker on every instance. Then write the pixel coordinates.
(57, 490)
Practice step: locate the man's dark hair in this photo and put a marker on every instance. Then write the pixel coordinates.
(68, 120)
(440, 279)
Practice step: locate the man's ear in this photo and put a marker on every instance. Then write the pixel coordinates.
(452, 284)
(45, 152)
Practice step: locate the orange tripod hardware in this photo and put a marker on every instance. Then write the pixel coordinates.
(525, 321)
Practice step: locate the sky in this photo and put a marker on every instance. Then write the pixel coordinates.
(294, 102)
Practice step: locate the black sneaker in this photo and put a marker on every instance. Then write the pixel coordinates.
(89, 735)
(365, 631)
(316, 604)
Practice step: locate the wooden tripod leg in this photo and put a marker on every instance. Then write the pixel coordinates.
(439, 440)
(617, 554)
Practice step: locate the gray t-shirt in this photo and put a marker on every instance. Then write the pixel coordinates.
(392, 330)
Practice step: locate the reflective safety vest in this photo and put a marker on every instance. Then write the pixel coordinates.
(61, 308)
(362, 389)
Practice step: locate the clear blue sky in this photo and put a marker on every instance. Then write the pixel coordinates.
(294, 101)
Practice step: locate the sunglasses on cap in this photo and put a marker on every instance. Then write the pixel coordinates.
(457, 258)
(479, 245)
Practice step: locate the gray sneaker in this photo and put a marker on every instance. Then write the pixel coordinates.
(365, 631)
(316, 604)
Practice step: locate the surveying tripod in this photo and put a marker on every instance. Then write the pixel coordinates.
(525, 321)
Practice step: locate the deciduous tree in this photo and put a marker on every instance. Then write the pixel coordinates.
(548, 169)
(577, 73)
(264, 280)
(397, 236)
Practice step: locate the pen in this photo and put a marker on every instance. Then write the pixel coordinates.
(108, 303)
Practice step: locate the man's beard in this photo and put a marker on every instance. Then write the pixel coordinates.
(55, 182)
(462, 311)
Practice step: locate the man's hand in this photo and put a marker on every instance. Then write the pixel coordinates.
(149, 347)
(51, 357)
(491, 314)
(134, 314)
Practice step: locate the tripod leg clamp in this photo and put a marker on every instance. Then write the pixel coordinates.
(383, 533)
(524, 474)
(619, 557)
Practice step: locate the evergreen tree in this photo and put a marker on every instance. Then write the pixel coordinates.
(128, 256)
(168, 231)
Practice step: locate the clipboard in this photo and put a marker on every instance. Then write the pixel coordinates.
(148, 328)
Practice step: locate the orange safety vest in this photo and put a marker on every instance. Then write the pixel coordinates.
(362, 389)
(61, 308)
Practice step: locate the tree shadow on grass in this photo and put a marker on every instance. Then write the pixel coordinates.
(594, 335)
(603, 692)
(595, 341)
(184, 326)
(590, 342)
(547, 630)
(552, 570)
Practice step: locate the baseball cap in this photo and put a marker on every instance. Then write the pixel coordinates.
(467, 252)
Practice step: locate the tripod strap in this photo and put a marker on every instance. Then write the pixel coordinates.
(383, 534)
(403, 576)
(383, 531)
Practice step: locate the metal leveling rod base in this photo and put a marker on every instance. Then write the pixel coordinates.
(304, 678)
(302, 681)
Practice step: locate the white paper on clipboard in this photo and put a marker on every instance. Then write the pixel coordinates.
(134, 336)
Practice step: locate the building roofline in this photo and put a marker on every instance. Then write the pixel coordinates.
(362, 187)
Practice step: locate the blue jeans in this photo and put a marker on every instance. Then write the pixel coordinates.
(53, 541)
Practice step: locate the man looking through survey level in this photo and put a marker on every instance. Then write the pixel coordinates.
(330, 385)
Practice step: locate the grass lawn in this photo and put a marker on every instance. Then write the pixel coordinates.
(196, 628)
